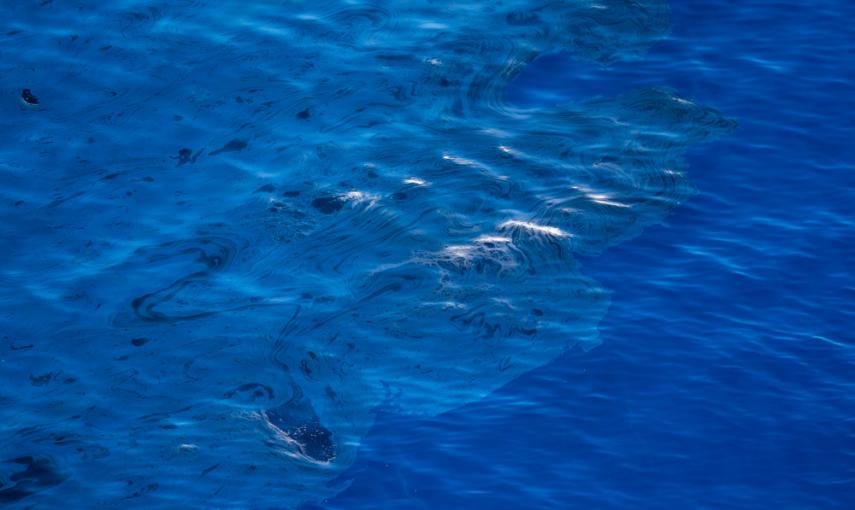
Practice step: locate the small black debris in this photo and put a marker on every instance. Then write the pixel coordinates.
(186, 156)
(28, 97)
(303, 114)
(139, 342)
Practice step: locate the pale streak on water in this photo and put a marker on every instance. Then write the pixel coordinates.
(254, 223)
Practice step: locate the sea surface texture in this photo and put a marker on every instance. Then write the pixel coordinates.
(426, 254)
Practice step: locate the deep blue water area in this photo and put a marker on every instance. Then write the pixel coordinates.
(427, 255)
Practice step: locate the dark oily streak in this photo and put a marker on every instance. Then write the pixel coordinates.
(233, 146)
(40, 473)
(209, 469)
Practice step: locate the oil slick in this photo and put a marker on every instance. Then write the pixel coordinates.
(28, 98)
(371, 225)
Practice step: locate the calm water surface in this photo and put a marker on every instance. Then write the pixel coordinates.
(427, 254)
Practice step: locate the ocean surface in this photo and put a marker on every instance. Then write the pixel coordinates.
(427, 254)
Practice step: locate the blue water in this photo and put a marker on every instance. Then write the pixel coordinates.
(427, 255)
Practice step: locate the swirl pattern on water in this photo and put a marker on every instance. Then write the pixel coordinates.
(253, 223)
